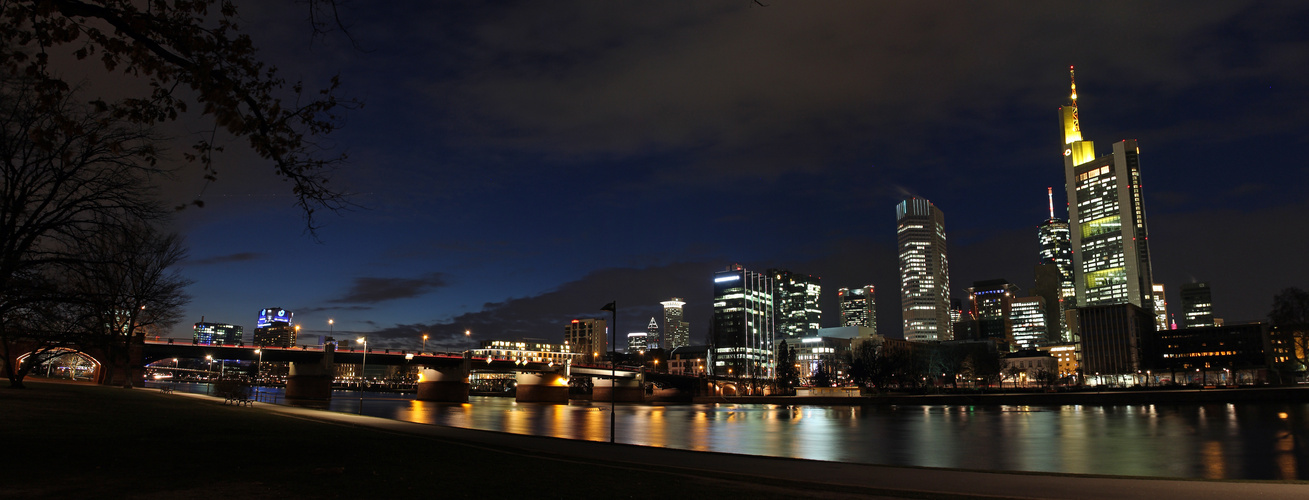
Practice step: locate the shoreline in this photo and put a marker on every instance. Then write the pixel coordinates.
(1107, 398)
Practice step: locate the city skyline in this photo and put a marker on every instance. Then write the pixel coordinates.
(510, 185)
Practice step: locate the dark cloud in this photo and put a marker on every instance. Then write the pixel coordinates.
(369, 290)
(224, 259)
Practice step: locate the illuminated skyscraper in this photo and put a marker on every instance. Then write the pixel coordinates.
(276, 328)
(744, 331)
(1160, 307)
(677, 333)
(795, 303)
(858, 307)
(652, 335)
(1111, 257)
(924, 271)
(1058, 290)
(1027, 322)
(1197, 305)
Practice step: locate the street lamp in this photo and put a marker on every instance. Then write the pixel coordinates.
(259, 371)
(424, 342)
(468, 333)
(363, 366)
(209, 373)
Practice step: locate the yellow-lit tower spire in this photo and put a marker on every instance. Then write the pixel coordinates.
(1076, 150)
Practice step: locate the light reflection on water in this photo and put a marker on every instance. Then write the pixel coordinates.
(1232, 441)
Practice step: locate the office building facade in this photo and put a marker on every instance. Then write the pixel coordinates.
(990, 302)
(795, 303)
(744, 330)
(216, 334)
(1160, 307)
(1197, 305)
(1027, 316)
(588, 337)
(858, 307)
(924, 271)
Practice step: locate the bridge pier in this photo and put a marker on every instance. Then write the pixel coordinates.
(312, 381)
(445, 384)
(622, 390)
(543, 387)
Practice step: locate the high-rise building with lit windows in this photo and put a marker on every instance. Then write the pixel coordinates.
(990, 302)
(1160, 307)
(590, 337)
(216, 334)
(1027, 323)
(1058, 290)
(795, 303)
(924, 271)
(744, 331)
(652, 340)
(1111, 252)
(858, 307)
(677, 333)
(1197, 305)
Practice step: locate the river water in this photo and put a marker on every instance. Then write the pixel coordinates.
(1217, 441)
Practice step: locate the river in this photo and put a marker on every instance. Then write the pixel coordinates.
(1216, 441)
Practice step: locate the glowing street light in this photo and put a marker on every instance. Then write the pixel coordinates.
(424, 342)
(363, 366)
(468, 333)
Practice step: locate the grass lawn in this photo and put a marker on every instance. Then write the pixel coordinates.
(82, 441)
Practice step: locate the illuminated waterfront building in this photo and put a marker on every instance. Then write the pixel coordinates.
(276, 328)
(526, 350)
(1197, 305)
(1160, 307)
(1027, 317)
(795, 303)
(677, 333)
(1111, 256)
(588, 337)
(858, 307)
(744, 331)
(216, 334)
(924, 271)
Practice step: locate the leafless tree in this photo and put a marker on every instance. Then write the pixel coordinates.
(128, 284)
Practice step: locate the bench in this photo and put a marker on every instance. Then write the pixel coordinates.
(234, 392)
(167, 389)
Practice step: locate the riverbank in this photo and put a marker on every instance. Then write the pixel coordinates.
(1112, 397)
(81, 440)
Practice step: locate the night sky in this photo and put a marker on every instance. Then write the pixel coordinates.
(521, 164)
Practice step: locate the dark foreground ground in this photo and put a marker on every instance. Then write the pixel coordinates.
(80, 441)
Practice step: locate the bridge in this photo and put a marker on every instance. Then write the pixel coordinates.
(443, 376)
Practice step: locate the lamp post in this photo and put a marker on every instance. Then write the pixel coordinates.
(424, 342)
(362, 367)
(330, 322)
(209, 374)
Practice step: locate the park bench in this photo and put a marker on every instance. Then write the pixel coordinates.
(167, 389)
(234, 392)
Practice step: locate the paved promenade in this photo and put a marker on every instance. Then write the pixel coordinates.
(87, 441)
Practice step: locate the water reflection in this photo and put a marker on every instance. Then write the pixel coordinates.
(1232, 441)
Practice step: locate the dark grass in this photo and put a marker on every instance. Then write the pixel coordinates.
(81, 441)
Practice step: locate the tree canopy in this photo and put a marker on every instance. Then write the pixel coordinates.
(184, 53)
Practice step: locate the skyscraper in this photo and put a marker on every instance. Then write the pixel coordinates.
(1160, 307)
(1027, 322)
(1197, 305)
(276, 328)
(652, 335)
(795, 303)
(858, 307)
(1056, 250)
(744, 331)
(1111, 256)
(991, 302)
(588, 337)
(924, 271)
(677, 333)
